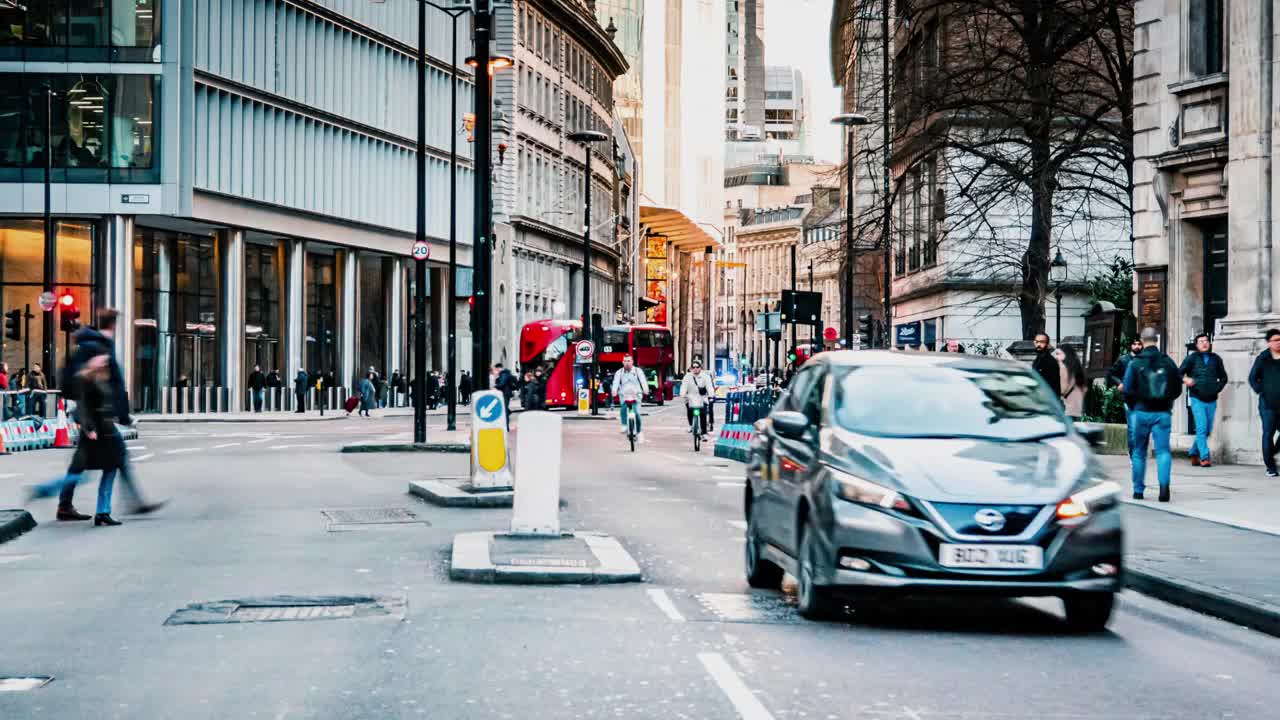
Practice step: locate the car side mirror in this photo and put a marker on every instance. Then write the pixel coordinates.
(789, 424)
(1093, 433)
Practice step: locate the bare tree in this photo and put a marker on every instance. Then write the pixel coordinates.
(1012, 133)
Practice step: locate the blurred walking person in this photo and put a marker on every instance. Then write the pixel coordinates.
(257, 381)
(301, 384)
(464, 388)
(368, 395)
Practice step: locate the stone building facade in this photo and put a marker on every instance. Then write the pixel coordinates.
(1203, 199)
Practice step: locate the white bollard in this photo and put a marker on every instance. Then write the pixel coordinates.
(490, 458)
(536, 506)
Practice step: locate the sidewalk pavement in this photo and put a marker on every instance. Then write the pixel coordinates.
(1213, 548)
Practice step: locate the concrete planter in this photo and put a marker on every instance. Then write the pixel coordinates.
(1117, 442)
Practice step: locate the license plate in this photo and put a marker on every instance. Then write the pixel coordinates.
(998, 557)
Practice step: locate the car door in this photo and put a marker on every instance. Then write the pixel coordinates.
(794, 457)
(765, 498)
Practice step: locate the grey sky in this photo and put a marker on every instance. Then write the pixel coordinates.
(796, 33)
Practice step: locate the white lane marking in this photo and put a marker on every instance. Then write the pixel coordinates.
(6, 476)
(262, 440)
(731, 484)
(140, 458)
(289, 447)
(224, 445)
(747, 705)
(739, 524)
(728, 477)
(131, 446)
(672, 457)
(182, 450)
(663, 601)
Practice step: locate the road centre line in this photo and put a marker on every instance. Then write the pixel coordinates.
(663, 601)
(744, 701)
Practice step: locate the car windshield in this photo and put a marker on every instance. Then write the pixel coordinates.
(946, 402)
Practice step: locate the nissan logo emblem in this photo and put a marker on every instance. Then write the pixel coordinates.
(989, 519)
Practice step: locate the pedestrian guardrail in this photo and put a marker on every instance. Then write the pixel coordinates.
(743, 407)
(28, 403)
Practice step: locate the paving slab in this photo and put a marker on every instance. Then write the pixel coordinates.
(578, 558)
(1238, 495)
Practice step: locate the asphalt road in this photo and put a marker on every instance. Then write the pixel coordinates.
(88, 606)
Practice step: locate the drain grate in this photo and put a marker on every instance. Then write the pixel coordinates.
(22, 684)
(374, 516)
(286, 608)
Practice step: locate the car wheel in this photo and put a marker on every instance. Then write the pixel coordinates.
(1089, 612)
(761, 573)
(814, 601)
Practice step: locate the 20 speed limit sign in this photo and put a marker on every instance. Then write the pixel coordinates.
(421, 250)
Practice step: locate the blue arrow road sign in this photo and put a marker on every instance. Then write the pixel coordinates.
(489, 408)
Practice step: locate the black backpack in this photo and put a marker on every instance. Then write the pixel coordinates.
(1154, 379)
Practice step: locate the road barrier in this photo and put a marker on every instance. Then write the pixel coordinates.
(536, 506)
(742, 409)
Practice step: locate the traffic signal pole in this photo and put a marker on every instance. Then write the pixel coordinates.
(791, 311)
(50, 237)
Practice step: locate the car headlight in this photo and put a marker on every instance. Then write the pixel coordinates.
(1095, 498)
(865, 492)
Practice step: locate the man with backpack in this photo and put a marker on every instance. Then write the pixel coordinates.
(1152, 383)
(1264, 378)
(1205, 376)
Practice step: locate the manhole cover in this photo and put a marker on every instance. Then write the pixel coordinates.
(286, 608)
(22, 684)
(373, 516)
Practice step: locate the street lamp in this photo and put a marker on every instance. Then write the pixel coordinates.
(1058, 274)
(586, 137)
(849, 121)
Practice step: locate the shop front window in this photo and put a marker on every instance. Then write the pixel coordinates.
(262, 308)
(322, 314)
(80, 30)
(101, 128)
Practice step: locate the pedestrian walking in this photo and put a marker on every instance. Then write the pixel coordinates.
(527, 388)
(540, 389)
(100, 446)
(39, 386)
(464, 388)
(91, 343)
(1264, 378)
(1205, 376)
(1115, 376)
(257, 382)
(368, 398)
(1152, 383)
(1072, 380)
(301, 383)
(1047, 365)
(433, 391)
(504, 382)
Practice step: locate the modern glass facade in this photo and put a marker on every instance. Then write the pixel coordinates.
(263, 323)
(80, 30)
(322, 313)
(102, 127)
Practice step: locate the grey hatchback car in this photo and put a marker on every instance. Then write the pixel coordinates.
(880, 472)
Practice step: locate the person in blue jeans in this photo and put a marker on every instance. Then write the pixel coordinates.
(630, 378)
(1205, 376)
(1152, 383)
(1264, 378)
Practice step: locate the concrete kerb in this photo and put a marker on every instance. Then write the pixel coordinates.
(375, 446)
(14, 523)
(216, 418)
(438, 492)
(1208, 600)
(471, 562)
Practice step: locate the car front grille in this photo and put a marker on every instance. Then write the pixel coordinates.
(963, 518)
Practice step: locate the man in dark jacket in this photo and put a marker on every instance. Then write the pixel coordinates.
(433, 390)
(1151, 385)
(301, 385)
(257, 381)
(1115, 376)
(464, 388)
(1205, 376)
(1264, 378)
(91, 342)
(1047, 365)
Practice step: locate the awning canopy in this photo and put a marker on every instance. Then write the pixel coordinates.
(681, 230)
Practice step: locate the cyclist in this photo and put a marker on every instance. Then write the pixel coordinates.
(696, 389)
(627, 381)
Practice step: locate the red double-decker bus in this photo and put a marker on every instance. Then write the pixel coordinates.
(548, 344)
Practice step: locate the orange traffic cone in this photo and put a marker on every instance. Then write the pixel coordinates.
(3, 451)
(62, 438)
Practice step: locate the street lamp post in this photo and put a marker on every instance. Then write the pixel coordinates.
(849, 121)
(50, 236)
(1058, 273)
(586, 137)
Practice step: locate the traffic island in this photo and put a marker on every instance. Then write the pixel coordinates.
(385, 446)
(576, 558)
(14, 523)
(460, 492)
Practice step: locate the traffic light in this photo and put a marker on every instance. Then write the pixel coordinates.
(471, 313)
(866, 329)
(13, 324)
(70, 314)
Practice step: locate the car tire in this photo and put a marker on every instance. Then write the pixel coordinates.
(762, 574)
(1089, 612)
(815, 602)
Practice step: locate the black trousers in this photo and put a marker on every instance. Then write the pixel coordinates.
(1270, 426)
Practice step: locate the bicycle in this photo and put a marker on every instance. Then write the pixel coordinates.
(695, 427)
(631, 406)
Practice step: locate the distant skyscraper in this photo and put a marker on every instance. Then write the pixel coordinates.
(744, 70)
(786, 100)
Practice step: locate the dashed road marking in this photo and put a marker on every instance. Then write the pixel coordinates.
(262, 440)
(224, 445)
(6, 476)
(739, 524)
(731, 484)
(182, 450)
(728, 477)
(744, 701)
(290, 447)
(140, 458)
(663, 601)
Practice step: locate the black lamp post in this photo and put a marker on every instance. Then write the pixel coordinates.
(586, 137)
(849, 121)
(1058, 273)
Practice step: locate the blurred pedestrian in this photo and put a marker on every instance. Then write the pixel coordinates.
(1072, 379)
(395, 388)
(464, 388)
(301, 384)
(92, 343)
(257, 381)
(1152, 383)
(433, 391)
(954, 346)
(1047, 365)
(1264, 378)
(1205, 376)
(100, 446)
(39, 385)
(503, 381)
(368, 398)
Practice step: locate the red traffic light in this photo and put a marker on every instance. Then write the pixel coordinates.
(471, 301)
(67, 300)
(829, 334)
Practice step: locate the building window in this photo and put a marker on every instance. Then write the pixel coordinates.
(1205, 31)
(103, 127)
(80, 30)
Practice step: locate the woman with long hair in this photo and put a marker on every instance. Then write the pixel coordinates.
(1074, 382)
